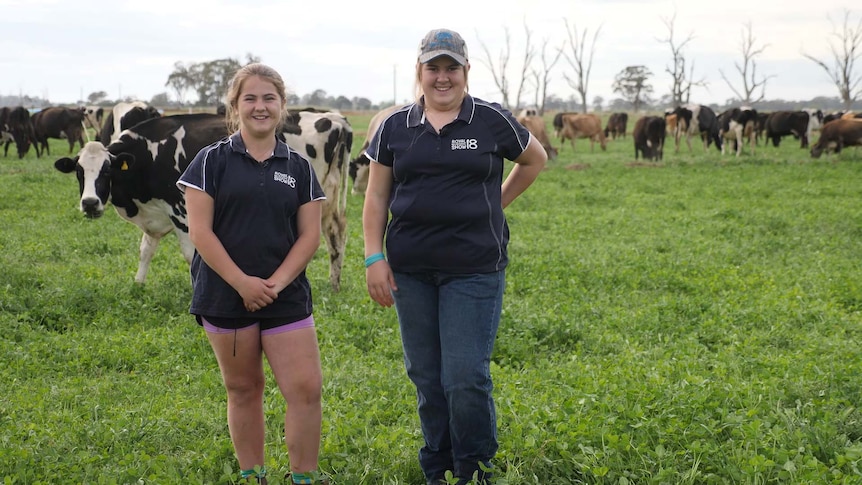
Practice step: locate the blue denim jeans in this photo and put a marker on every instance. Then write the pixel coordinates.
(448, 326)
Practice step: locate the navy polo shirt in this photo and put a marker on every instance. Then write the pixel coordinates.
(255, 209)
(445, 204)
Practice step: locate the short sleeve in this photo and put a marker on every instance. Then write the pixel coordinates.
(377, 150)
(309, 188)
(200, 174)
(511, 136)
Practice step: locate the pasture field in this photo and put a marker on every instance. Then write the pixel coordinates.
(694, 321)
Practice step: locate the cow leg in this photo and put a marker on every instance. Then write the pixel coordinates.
(186, 246)
(148, 250)
(334, 226)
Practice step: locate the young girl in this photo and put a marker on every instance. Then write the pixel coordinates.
(254, 217)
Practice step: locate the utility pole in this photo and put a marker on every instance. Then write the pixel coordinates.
(394, 84)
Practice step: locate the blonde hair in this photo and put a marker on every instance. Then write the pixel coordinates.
(417, 81)
(235, 89)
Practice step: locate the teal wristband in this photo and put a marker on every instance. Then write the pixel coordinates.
(373, 259)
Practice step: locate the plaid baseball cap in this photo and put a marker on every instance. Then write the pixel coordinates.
(443, 42)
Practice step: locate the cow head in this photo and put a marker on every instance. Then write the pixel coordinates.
(94, 167)
(358, 171)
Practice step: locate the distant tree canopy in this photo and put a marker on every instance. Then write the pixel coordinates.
(631, 84)
(209, 80)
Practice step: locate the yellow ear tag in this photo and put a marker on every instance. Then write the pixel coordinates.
(125, 166)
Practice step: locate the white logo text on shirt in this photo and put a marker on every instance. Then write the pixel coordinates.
(465, 144)
(285, 179)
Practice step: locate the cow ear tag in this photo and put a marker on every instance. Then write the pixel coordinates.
(124, 166)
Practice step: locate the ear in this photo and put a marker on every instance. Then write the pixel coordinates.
(122, 162)
(66, 164)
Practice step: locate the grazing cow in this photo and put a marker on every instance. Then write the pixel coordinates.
(124, 116)
(536, 126)
(760, 126)
(696, 119)
(735, 125)
(16, 126)
(836, 135)
(783, 123)
(138, 174)
(583, 126)
(558, 122)
(815, 121)
(58, 122)
(649, 135)
(617, 124)
(359, 165)
(849, 115)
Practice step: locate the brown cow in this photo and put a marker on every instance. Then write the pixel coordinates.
(836, 135)
(536, 126)
(670, 121)
(583, 126)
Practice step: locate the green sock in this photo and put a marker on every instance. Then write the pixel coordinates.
(303, 478)
(258, 472)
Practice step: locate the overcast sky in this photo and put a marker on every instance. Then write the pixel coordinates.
(64, 50)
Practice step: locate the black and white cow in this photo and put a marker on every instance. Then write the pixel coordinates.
(138, 172)
(124, 116)
(783, 123)
(694, 120)
(16, 127)
(58, 122)
(735, 124)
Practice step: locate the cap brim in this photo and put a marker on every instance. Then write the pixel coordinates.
(428, 56)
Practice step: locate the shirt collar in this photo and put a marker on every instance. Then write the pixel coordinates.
(282, 150)
(416, 114)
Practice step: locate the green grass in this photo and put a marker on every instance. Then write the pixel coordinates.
(695, 321)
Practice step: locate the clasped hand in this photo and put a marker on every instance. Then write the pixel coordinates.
(257, 292)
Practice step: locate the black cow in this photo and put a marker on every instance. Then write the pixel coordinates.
(695, 119)
(734, 124)
(783, 123)
(58, 122)
(649, 134)
(124, 116)
(16, 126)
(617, 124)
(138, 174)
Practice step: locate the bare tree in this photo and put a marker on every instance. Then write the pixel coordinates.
(541, 78)
(529, 53)
(682, 80)
(844, 57)
(579, 61)
(748, 70)
(499, 69)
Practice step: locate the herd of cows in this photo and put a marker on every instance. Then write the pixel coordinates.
(731, 128)
(138, 154)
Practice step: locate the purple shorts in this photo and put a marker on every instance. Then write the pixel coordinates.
(267, 326)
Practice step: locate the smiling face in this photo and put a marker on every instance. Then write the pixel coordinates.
(259, 106)
(443, 82)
